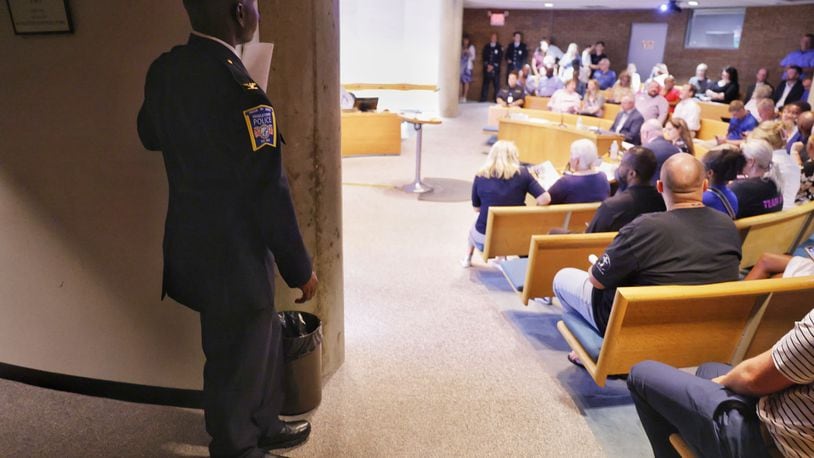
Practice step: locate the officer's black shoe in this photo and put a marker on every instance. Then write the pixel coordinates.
(293, 433)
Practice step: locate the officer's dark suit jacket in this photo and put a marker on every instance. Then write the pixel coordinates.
(492, 56)
(230, 214)
(516, 57)
(794, 95)
(632, 127)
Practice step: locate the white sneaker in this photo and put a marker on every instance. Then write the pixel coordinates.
(466, 262)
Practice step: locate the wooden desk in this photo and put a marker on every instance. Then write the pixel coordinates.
(714, 110)
(370, 133)
(538, 142)
(496, 113)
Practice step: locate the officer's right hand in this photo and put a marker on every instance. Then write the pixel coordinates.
(308, 289)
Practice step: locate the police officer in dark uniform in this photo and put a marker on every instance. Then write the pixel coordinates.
(492, 57)
(230, 218)
(512, 95)
(516, 54)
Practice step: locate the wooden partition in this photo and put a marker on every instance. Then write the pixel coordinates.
(370, 133)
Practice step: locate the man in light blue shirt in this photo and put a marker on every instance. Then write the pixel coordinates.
(803, 57)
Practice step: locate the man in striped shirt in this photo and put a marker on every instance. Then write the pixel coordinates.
(763, 403)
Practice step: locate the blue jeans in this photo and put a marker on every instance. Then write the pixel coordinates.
(713, 421)
(573, 289)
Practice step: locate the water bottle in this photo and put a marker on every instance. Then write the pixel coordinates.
(614, 151)
(579, 122)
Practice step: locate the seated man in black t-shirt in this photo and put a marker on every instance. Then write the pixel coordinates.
(636, 196)
(689, 244)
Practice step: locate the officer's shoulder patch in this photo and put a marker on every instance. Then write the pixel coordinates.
(262, 126)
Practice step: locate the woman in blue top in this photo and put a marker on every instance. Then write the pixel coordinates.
(723, 163)
(500, 182)
(584, 183)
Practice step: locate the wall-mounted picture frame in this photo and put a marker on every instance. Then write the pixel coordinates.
(31, 17)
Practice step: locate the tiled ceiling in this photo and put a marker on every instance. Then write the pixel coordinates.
(621, 4)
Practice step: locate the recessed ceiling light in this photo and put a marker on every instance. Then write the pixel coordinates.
(692, 3)
(548, 5)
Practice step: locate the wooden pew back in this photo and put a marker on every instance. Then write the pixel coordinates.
(550, 253)
(685, 326)
(610, 111)
(777, 232)
(536, 103)
(509, 229)
(710, 128)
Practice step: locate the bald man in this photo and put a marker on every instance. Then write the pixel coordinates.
(689, 244)
(805, 122)
(230, 220)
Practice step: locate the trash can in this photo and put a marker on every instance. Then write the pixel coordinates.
(302, 371)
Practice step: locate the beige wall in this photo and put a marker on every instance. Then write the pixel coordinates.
(82, 203)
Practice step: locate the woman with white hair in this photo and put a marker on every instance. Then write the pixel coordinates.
(759, 188)
(500, 182)
(584, 183)
(787, 169)
(658, 73)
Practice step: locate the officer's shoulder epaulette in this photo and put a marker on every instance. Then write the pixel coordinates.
(241, 77)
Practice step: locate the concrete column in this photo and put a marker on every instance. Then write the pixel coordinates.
(304, 88)
(452, 17)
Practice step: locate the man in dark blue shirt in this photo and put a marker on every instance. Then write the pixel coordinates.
(741, 123)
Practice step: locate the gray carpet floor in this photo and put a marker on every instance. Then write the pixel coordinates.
(440, 361)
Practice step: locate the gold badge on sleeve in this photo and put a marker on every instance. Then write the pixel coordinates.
(262, 126)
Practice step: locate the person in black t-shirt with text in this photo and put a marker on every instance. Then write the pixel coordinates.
(759, 190)
(636, 196)
(689, 244)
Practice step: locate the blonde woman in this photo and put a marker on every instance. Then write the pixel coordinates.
(621, 88)
(787, 169)
(593, 103)
(500, 182)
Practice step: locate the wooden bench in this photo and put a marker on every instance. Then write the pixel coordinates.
(685, 326)
(710, 128)
(778, 232)
(509, 229)
(533, 277)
